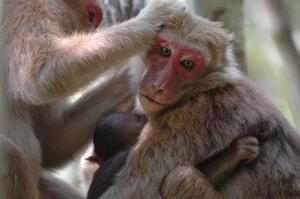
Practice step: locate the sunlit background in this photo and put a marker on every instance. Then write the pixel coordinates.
(267, 41)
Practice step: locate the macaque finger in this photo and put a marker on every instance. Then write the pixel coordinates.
(251, 154)
(250, 141)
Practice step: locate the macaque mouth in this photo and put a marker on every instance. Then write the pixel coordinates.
(152, 100)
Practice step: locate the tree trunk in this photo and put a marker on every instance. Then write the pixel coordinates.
(276, 25)
(230, 13)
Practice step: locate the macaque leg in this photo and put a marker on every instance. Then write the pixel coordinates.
(52, 188)
(16, 180)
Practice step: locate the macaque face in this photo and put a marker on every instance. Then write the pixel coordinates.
(92, 14)
(172, 65)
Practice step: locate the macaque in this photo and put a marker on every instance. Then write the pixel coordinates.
(49, 50)
(113, 137)
(197, 103)
(116, 133)
(89, 161)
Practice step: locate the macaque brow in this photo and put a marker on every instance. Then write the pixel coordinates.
(169, 40)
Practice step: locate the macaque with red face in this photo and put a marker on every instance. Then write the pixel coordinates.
(197, 104)
(49, 50)
(172, 65)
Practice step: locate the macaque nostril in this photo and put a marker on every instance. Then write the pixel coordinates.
(156, 89)
(159, 91)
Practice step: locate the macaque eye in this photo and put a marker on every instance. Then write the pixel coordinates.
(187, 63)
(164, 51)
(91, 15)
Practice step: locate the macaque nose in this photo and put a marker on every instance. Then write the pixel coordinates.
(157, 90)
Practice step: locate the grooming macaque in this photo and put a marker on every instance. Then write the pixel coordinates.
(48, 51)
(197, 103)
(116, 134)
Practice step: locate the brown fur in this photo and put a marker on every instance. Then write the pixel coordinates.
(46, 55)
(217, 169)
(219, 106)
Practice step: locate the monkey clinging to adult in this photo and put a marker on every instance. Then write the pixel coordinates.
(48, 51)
(197, 103)
(116, 134)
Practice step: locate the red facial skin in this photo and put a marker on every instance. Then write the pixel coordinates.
(166, 74)
(92, 15)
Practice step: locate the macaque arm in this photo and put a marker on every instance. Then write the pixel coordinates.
(102, 98)
(213, 172)
(220, 167)
(72, 126)
(56, 64)
(71, 62)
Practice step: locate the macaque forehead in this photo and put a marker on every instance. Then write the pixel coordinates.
(197, 32)
(178, 42)
(185, 44)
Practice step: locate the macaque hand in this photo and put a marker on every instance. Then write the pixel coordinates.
(157, 12)
(246, 149)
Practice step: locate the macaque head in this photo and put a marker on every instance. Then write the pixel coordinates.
(116, 133)
(183, 55)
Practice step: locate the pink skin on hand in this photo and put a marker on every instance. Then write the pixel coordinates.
(92, 15)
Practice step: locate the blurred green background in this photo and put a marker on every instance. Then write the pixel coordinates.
(268, 31)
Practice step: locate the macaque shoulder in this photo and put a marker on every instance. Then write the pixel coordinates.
(237, 106)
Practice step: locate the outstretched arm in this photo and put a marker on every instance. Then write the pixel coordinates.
(58, 64)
